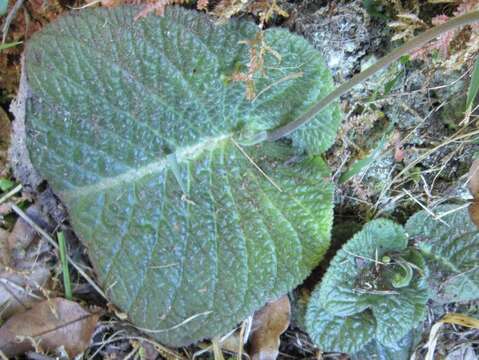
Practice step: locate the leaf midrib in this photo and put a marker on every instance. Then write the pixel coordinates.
(182, 154)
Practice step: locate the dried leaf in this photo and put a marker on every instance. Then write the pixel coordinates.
(461, 320)
(268, 324)
(474, 212)
(4, 140)
(474, 179)
(202, 4)
(49, 325)
(24, 268)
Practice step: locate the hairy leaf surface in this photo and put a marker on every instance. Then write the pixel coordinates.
(336, 333)
(451, 248)
(358, 287)
(137, 127)
(402, 350)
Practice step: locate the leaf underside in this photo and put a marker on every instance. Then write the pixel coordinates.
(451, 249)
(136, 127)
(343, 316)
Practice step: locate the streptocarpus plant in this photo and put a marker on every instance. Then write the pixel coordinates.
(191, 214)
(374, 290)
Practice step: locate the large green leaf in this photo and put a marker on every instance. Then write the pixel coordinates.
(136, 127)
(365, 280)
(451, 248)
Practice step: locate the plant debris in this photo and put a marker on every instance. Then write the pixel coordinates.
(47, 326)
(24, 266)
(268, 324)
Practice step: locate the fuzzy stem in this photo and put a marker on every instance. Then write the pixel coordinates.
(385, 61)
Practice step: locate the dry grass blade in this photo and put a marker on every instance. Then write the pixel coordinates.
(461, 320)
(9, 194)
(432, 341)
(451, 318)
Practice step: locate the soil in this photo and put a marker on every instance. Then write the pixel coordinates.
(412, 113)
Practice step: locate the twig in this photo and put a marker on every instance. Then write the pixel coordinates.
(440, 216)
(9, 18)
(256, 165)
(184, 322)
(9, 194)
(364, 257)
(425, 208)
(55, 245)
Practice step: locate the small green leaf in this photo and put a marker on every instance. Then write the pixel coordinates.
(374, 154)
(402, 275)
(9, 45)
(65, 270)
(3, 7)
(362, 164)
(6, 184)
(473, 87)
(451, 250)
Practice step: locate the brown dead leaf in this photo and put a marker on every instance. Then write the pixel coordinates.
(398, 147)
(268, 324)
(474, 179)
(4, 140)
(24, 268)
(474, 212)
(49, 325)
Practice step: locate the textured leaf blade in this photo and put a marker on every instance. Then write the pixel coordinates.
(358, 286)
(402, 350)
(137, 137)
(337, 292)
(335, 333)
(397, 315)
(235, 240)
(451, 249)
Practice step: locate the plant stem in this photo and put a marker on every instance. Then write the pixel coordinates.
(63, 259)
(385, 61)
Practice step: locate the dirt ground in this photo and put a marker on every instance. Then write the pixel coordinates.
(408, 120)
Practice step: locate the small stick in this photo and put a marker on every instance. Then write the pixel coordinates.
(256, 165)
(425, 208)
(9, 194)
(9, 18)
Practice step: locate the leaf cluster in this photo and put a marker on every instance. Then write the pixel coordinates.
(373, 290)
